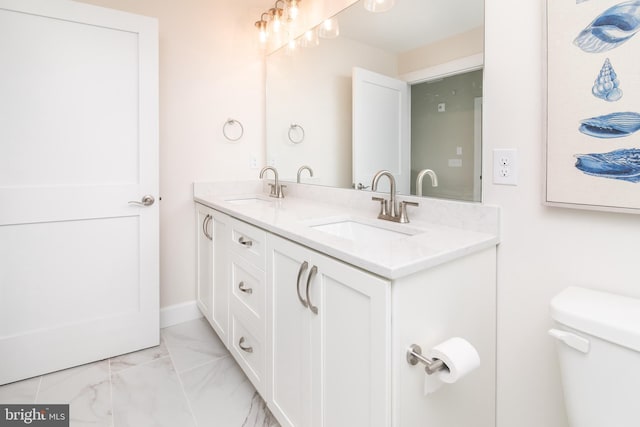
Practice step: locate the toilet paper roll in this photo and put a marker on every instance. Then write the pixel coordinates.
(459, 356)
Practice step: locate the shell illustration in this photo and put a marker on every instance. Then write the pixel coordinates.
(610, 29)
(614, 125)
(606, 85)
(619, 164)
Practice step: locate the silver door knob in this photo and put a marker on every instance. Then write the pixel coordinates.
(147, 200)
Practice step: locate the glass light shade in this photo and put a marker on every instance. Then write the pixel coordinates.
(291, 47)
(378, 5)
(276, 19)
(293, 10)
(309, 38)
(262, 30)
(329, 29)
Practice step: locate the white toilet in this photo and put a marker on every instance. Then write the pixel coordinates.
(599, 350)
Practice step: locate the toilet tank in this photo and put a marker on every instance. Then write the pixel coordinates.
(598, 336)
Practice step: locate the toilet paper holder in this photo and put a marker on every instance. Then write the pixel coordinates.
(414, 355)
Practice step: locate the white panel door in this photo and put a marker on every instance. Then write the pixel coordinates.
(78, 142)
(381, 129)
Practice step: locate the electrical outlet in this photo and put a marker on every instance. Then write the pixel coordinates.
(253, 162)
(505, 166)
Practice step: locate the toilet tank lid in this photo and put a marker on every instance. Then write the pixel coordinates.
(608, 316)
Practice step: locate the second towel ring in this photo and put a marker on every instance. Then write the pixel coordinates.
(231, 122)
(292, 133)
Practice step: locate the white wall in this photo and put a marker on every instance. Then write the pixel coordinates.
(210, 70)
(543, 249)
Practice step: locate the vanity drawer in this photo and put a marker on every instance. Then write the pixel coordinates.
(248, 348)
(247, 287)
(249, 242)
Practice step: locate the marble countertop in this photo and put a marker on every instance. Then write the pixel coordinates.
(428, 243)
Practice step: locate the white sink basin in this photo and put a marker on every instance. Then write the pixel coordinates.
(249, 201)
(360, 232)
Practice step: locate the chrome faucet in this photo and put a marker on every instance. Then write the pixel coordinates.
(421, 174)
(300, 171)
(276, 188)
(389, 208)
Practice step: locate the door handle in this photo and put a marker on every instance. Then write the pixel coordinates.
(244, 242)
(312, 273)
(147, 200)
(205, 226)
(303, 268)
(244, 348)
(244, 289)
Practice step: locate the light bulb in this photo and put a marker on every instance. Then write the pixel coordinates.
(379, 5)
(329, 29)
(293, 10)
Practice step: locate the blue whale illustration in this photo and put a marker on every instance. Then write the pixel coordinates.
(614, 125)
(621, 164)
(609, 30)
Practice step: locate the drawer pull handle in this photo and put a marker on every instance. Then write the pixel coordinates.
(244, 242)
(243, 289)
(303, 268)
(243, 348)
(312, 273)
(205, 226)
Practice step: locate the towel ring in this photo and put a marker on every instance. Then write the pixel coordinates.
(231, 122)
(292, 130)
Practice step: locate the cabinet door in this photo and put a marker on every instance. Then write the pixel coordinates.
(221, 280)
(212, 289)
(351, 346)
(204, 287)
(330, 361)
(288, 334)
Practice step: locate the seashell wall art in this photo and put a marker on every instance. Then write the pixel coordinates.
(592, 152)
(607, 85)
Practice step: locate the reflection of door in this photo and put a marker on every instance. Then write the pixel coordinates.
(381, 129)
(477, 149)
(78, 151)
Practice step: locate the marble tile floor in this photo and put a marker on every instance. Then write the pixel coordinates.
(189, 380)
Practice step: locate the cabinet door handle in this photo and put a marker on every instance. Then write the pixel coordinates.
(243, 289)
(244, 242)
(243, 348)
(312, 273)
(205, 226)
(303, 268)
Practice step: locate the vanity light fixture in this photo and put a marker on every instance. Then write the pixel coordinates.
(293, 9)
(378, 5)
(261, 25)
(274, 19)
(329, 29)
(276, 16)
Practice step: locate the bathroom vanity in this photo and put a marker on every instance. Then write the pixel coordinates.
(318, 301)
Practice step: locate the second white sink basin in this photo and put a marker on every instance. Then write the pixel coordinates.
(360, 232)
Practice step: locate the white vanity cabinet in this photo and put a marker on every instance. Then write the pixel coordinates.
(328, 340)
(212, 229)
(324, 341)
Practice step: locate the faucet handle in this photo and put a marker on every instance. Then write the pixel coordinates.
(403, 210)
(281, 191)
(383, 205)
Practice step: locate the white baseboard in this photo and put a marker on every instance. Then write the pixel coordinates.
(179, 313)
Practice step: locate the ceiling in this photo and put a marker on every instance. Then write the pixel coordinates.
(422, 22)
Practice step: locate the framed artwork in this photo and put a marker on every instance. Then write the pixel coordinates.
(592, 151)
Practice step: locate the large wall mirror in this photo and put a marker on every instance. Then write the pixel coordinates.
(399, 90)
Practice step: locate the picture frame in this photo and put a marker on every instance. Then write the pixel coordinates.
(592, 105)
